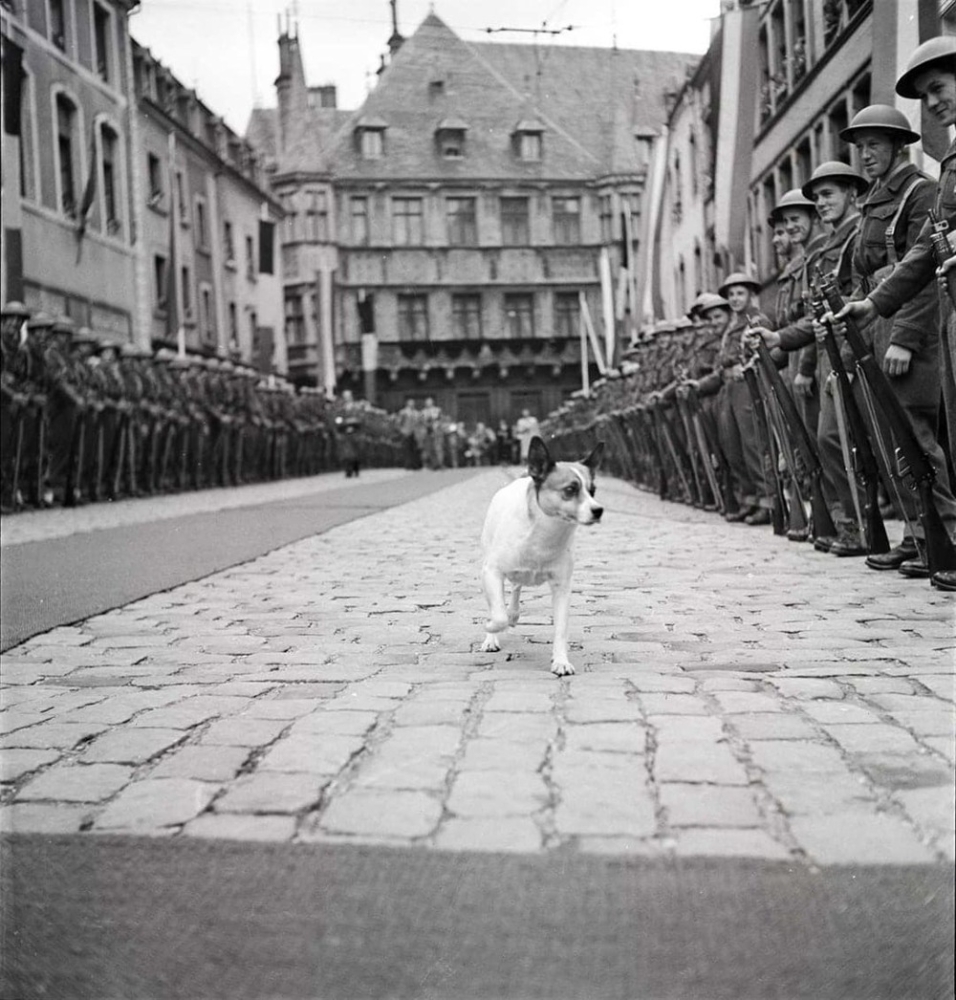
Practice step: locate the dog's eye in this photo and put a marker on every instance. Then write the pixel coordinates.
(571, 491)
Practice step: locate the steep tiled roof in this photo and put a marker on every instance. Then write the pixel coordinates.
(491, 88)
(309, 146)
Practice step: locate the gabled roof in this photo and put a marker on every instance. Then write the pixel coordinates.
(557, 90)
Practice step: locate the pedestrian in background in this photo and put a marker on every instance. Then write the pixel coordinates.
(526, 428)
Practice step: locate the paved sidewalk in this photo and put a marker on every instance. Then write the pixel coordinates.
(736, 695)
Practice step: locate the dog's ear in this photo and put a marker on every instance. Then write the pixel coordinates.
(594, 459)
(540, 462)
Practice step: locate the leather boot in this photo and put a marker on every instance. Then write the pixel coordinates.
(895, 557)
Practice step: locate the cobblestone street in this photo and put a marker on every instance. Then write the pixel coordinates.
(736, 695)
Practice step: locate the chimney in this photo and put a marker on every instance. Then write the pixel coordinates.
(291, 92)
(396, 40)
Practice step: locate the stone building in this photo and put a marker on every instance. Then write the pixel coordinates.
(208, 227)
(68, 200)
(443, 233)
(112, 171)
(762, 125)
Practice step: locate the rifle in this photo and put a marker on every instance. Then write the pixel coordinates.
(694, 454)
(767, 457)
(912, 464)
(653, 440)
(74, 472)
(718, 471)
(942, 251)
(861, 462)
(821, 523)
(798, 529)
(672, 451)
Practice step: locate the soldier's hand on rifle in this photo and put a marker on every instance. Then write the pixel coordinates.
(803, 385)
(862, 312)
(896, 361)
(820, 331)
(770, 337)
(941, 274)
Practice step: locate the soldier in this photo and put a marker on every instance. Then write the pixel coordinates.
(66, 412)
(906, 342)
(735, 403)
(90, 457)
(14, 403)
(835, 187)
(792, 325)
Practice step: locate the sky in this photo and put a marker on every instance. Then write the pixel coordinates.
(227, 49)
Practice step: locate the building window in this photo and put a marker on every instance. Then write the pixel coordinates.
(66, 153)
(529, 146)
(566, 213)
(372, 142)
(28, 177)
(187, 292)
(228, 243)
(206, 329)
(58, 26)
(407, 222)
(317, 217)
(462, 221)
(253, 331)
(154, 169)
(294, 319)
(606, 210)
(451, 143)
(567, 314)
(202, 234)
(413, 317)
(181, 195)
(250, 258)
(466, 316)
(515, 228)
(694, 166)
(101, 41)
(358, 210)
(160, 282)
(519, 315)
(233, 324)
(109, 141)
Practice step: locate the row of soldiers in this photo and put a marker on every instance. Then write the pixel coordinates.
(823, 416)
(84, 418)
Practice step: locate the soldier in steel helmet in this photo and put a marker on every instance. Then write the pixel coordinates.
(930, 77)
(906, 344)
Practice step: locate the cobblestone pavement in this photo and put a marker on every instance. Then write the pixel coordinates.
(736, 695)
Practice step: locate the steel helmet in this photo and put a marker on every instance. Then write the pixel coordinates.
(835, 170)
(739, 278)
(884, 118)
(941, 49)
(794, 198)
(709, 301)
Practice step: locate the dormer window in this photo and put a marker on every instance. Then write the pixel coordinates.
(370, 135)
(450, 137)
(528, 139)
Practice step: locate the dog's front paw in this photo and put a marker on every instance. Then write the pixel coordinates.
(513, 617)
(561, 668)
(491, 644)
(496, 624)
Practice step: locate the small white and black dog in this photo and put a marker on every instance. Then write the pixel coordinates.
(527, 539)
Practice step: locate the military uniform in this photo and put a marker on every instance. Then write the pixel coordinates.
(907, 300)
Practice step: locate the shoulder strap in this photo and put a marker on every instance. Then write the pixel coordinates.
(891, 255)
